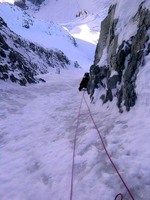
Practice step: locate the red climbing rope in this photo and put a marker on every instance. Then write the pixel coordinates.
(74, 148)
(118, 195)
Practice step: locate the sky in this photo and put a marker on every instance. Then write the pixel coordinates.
(39, 122)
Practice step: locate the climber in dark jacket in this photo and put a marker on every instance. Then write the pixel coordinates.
(84, 82)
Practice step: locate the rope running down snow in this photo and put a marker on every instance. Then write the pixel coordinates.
(118, 195)
(74, 148)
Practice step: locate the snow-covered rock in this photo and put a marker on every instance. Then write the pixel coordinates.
(22, 61)
(122, 47)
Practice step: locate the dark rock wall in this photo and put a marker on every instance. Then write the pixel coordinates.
(106, 34)
(22, 3)
(125, 60)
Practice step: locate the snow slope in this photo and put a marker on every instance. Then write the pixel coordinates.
(66, 10)
(47, 34)
(38, 125)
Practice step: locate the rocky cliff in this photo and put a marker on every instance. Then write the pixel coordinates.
(118, 59)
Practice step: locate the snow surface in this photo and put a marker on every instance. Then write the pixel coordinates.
(38, 125)
(66, 11)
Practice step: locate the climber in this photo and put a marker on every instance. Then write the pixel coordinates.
(84, 81)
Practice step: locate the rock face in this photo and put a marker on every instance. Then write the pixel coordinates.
(21, 60)
(123, 61)
(22, 3)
